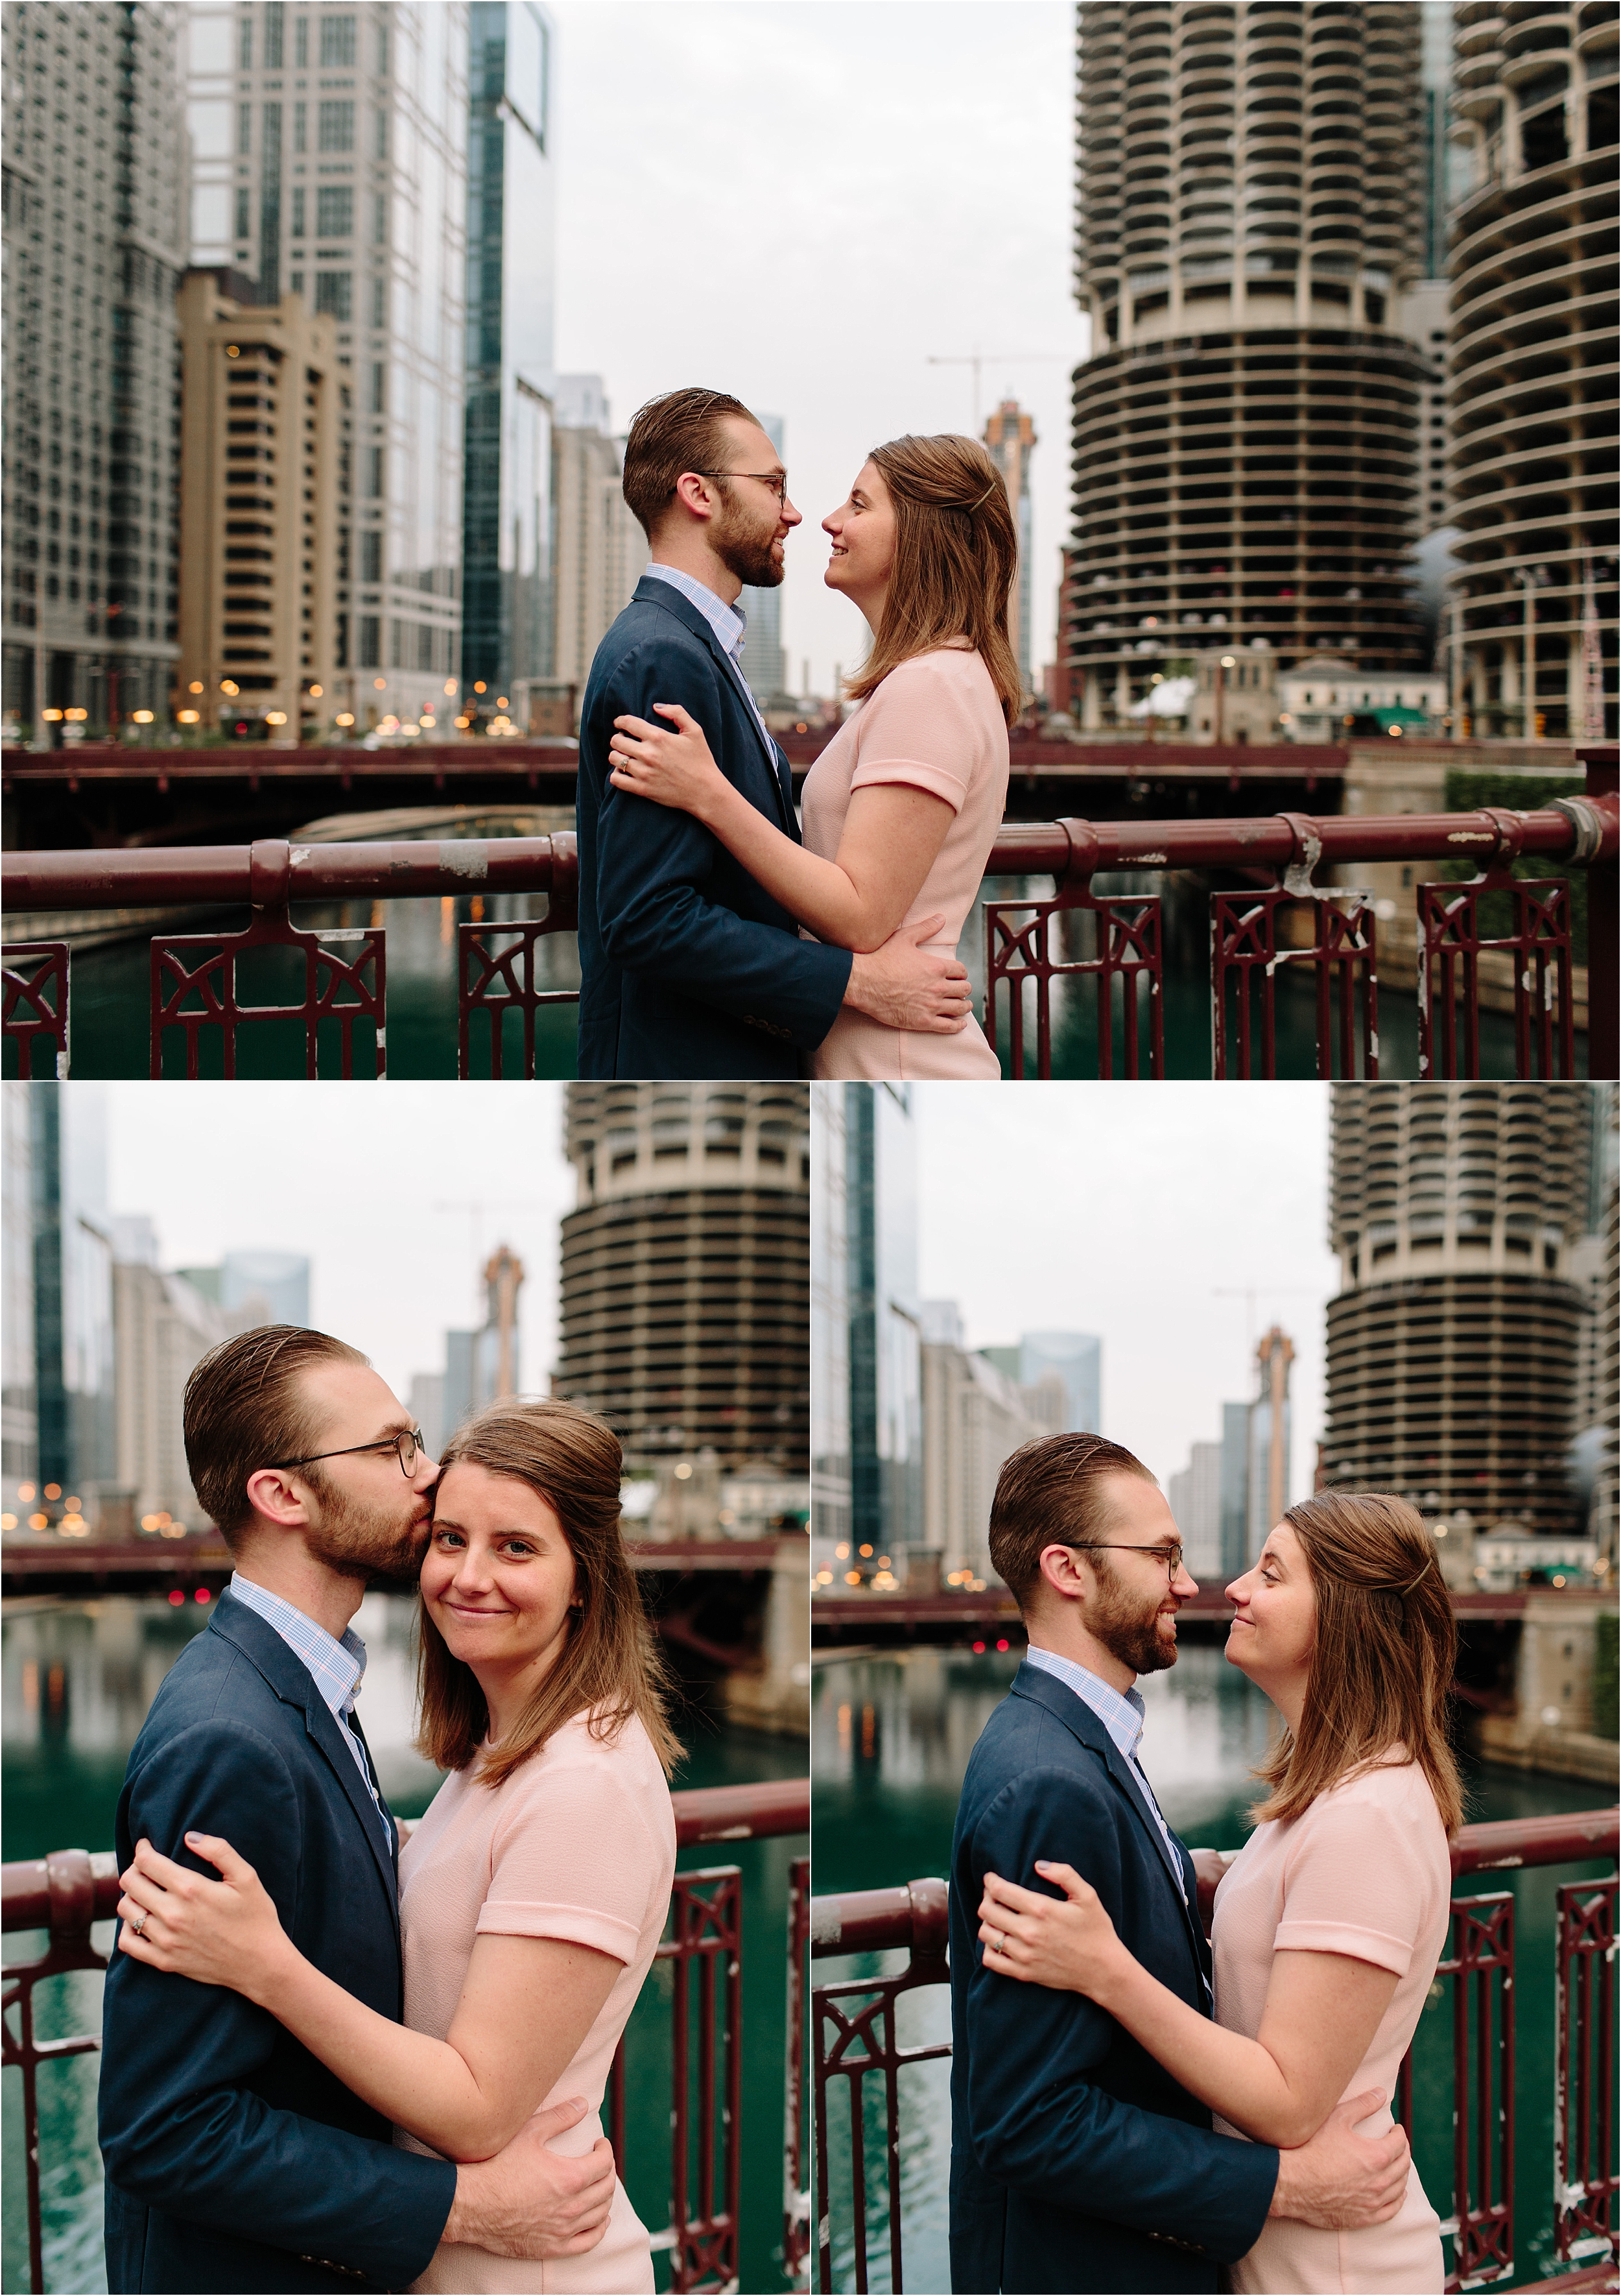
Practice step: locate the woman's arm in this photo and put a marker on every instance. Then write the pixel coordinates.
(1322, 2009)
(892, 835)
(526, 2007)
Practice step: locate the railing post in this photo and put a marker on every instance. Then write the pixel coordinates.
(1604, 941)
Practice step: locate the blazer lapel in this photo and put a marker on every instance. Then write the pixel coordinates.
(1079, 1720)
(293, 1682)
(651, 592)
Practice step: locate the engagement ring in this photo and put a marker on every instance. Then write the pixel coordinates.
(138, 1921)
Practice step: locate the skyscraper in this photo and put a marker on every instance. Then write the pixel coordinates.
(1534, 394)
(19, 1405)
(1009, 435)
(266, 512)
(507, 605)
(599, 549)
(73, 1327)
(1195, 1497)
(93, 246)
(881, 1294)
(765, 662)
(829, 1370)
(685, 1299)
(1454, 1341)
(329, 156)
(1245, 434)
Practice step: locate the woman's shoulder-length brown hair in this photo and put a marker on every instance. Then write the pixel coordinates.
(956, 551)
(611, 1667)
(1383, 1656)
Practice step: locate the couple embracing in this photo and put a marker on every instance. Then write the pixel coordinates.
(341, 2051)
(1134, 2108)
(716, 939)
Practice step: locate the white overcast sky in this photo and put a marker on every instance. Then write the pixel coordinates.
(1131, 1209)
(800, 201)
(397, 1193)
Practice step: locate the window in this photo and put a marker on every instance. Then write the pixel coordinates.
(365, 652)
(244, 46)
(336, 129)
(300, 42)
(378, 400)
(371, 558)
(334, 211)
(335, 292)
(298, 207)
(380, 302)
(373, 474)
(380, 217)
(300, 137)
(275, 14)
(296, 282)
(243, 212)
(337, 40)
(382, 135)
(244, 128)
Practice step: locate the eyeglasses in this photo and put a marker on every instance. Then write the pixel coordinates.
(1170, 1556)
(407, 1448)
(777, 481)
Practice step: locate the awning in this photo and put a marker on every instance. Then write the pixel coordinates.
(1386, 718)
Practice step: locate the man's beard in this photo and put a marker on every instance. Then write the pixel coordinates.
(1117, 1621)
(354, 1538)
(745, 552)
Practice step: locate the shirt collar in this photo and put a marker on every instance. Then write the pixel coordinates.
(336, 1667)
(728, 623)
(1122, 1713)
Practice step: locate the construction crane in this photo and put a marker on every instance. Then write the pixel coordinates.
(1250, 1292)
(980, 360)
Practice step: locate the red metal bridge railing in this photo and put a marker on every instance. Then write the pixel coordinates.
(67, 1891)
(854, 2035)
(1030, 945)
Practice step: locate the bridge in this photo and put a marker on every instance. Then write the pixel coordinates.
(110, 793)
(960, 1617)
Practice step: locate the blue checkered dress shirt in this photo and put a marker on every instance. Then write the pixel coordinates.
(336, 1669)
(729, 624)
(1122, 1715)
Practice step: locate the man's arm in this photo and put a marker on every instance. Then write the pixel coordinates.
(183, 2130)
(655, 865)
(1039, 2121)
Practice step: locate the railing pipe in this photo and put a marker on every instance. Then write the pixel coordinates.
(271, 873)
(1586, 829)
(68, 1889)
(878, 1921)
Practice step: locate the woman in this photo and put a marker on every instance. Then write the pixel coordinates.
(533, 1894)
(1331, 1920)
(902, 807)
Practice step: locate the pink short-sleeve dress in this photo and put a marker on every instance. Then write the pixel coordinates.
(579, 1843)
(935, 724)
(1364, 1871)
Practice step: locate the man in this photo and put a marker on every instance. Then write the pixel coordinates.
(233, 2159)
(688, 968)
(1078, 2163)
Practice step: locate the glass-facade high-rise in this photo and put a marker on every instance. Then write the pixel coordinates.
(329, 160)
(507, 540)
(764, 667)
(73, 1326)
(92, 247)
(885, 1344)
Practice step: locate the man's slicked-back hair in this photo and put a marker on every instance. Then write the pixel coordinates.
(1050, 1491)
(245, 1408)
(682, 430)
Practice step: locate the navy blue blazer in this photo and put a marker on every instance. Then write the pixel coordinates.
(688, 968)
(233, 2159)
(1078, 2163)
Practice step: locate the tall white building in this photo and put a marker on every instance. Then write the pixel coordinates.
(974, 1418)
(329, 158)
(1196, 1501)
(765, 661)
(599, 549)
